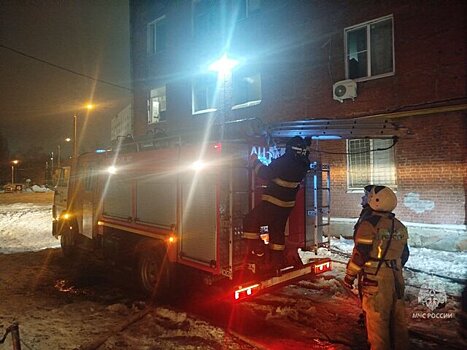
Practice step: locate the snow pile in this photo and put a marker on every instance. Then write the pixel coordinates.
(26, 227)
(40, 189)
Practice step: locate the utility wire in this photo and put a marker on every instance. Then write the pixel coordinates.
(63, 68)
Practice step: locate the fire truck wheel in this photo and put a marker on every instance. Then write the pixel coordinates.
(68, 240)
(153, 270)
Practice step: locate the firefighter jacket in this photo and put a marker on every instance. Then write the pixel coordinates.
(380, 242)
(284, 175)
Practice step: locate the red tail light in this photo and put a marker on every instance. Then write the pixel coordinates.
(243, 292)
(323, 267)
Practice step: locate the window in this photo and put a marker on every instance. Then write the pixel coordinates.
(246, 8)
(246, 88)
(157, 35)
(206, 18)
(204, 93)
(366, 167)
(157, 105)
(369, 49)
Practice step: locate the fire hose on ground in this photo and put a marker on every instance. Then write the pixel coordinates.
(14, 330)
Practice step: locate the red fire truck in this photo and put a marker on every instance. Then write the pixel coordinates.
(164, 202)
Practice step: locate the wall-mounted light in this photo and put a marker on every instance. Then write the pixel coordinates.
(223, 65)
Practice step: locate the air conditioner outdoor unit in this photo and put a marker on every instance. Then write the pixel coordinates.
(344, 89)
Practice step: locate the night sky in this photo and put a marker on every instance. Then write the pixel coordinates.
(37, 100)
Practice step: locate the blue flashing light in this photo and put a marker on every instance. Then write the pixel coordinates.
(326, 137)
(100, 150)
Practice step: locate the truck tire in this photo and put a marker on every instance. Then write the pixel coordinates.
(68, 239)
(153, 269)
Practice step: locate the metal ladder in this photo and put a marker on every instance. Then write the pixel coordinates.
(318, 206)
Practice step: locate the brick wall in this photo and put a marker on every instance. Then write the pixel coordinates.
(431, 172)
(298, 47)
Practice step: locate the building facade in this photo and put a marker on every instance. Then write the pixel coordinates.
(301, 60)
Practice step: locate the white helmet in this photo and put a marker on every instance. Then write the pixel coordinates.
(382, 198)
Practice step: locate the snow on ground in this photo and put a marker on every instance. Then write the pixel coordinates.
(26, 227)
(432, 262)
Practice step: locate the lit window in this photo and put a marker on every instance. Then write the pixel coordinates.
(157, 105)
(204, 93)
(246, 88)
(365, 167)
(157, 35)
(247, 8)
(206, 18)
(369, 49)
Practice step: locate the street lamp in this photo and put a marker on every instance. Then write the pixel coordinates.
(13, 163)
(59, 153)
(89, 106)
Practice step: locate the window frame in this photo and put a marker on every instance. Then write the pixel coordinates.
(248, 13)
(372, 174)
(150, 105)
(245, 73)
(194, 85)
(367, 25)
(151, 33)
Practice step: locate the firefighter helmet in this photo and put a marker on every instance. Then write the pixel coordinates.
(297, 146)
(382, 198)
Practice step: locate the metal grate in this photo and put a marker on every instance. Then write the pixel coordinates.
(367, 167)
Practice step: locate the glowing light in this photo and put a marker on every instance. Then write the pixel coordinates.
(198, 165)
(323, 267)
(100, 223)
(112, 170)
(246, 291)
(89, 106)
(68, 139)
(171, 239)
(100, 150)
(66, 216)
(223, 65)
(326, 137)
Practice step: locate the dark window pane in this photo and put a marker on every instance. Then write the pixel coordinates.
(358, 66)
(161, 35)
(204, 90)
(381, 47)
(357, 53)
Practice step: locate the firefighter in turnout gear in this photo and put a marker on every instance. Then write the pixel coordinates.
(264, 226)
(378, 256)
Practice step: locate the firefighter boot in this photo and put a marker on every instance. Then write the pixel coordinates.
(292, 258)
(255, 252)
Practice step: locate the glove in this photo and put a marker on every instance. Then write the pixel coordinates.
(348, 281)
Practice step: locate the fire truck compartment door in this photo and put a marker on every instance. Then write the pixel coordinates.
(199, 221)
(156, 202)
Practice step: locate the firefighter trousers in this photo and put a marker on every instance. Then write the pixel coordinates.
(383, 304)
(272, 216)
